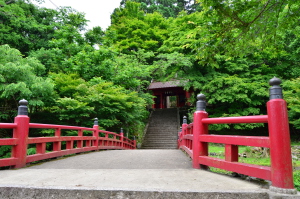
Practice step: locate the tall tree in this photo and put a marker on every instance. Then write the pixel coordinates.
(240, 27)
(225, 61)
(132, 29)
(168, 8)
(26, 27)
(21, 78)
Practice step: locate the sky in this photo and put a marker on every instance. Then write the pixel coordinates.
(97, 11)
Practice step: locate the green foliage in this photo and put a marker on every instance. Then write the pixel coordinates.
(21, 79)
(81, 100)
(292, 96)
(238, 27)
(31, 151)
(232, 64)
(132, 71)
(168, 8)
(26, 27)
(297, 180)
(94, 36)
(132, 29)
(5, 151)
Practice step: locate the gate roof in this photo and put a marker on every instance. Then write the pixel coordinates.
(169, 84)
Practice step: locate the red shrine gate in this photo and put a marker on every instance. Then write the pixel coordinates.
(169, 94)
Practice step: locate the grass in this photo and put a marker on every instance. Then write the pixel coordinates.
(297, 179)
(218, 151)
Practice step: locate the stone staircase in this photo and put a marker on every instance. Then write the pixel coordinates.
(162, 130)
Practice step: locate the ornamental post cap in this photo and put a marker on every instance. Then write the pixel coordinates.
(275, 91)
(184, 120)
(121, 130)
(96, 121)
(23, 102)
(23, 109)
(201, 103)
(201, 96)
(275, 81)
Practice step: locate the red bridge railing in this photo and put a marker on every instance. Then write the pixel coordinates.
(73, 144)
(194, 139)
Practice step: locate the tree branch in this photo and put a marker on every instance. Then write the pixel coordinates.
(261, 12)
(9, 2)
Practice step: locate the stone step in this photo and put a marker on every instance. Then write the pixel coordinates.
(165, 139)
(159, 147)
(168, 132)
(160, 138)
(160, 144)
(162, 132)
(163, 127)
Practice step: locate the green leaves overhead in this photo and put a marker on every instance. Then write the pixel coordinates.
(168, 8)
(237, 28)
(21, 78)
(132, 30)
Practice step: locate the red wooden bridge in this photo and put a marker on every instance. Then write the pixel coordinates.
(193, 139)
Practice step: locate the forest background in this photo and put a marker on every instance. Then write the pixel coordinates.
(228, 50)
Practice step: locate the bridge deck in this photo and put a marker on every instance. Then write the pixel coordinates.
(123, 174)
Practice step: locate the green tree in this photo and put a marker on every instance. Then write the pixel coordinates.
(27, 27)
(291, 90)
(168, 8)
(94, 36)
(235, 85)
(236, 28)
(132, 29)
(81, 100)
(133, 71)
(21, 78)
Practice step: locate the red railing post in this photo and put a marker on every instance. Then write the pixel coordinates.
(96, 133)
(231, 153)
(21, 132)
(134, 143)
(80, 142)
(179, 138)
(280, 147)
(57, 145)
(184, 130)
(121, 138)
(199, 148)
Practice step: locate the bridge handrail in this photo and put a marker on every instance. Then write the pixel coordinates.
(100, 139)
(235, 120)
(194, 138)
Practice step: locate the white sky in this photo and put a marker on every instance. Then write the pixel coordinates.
(97, 11)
